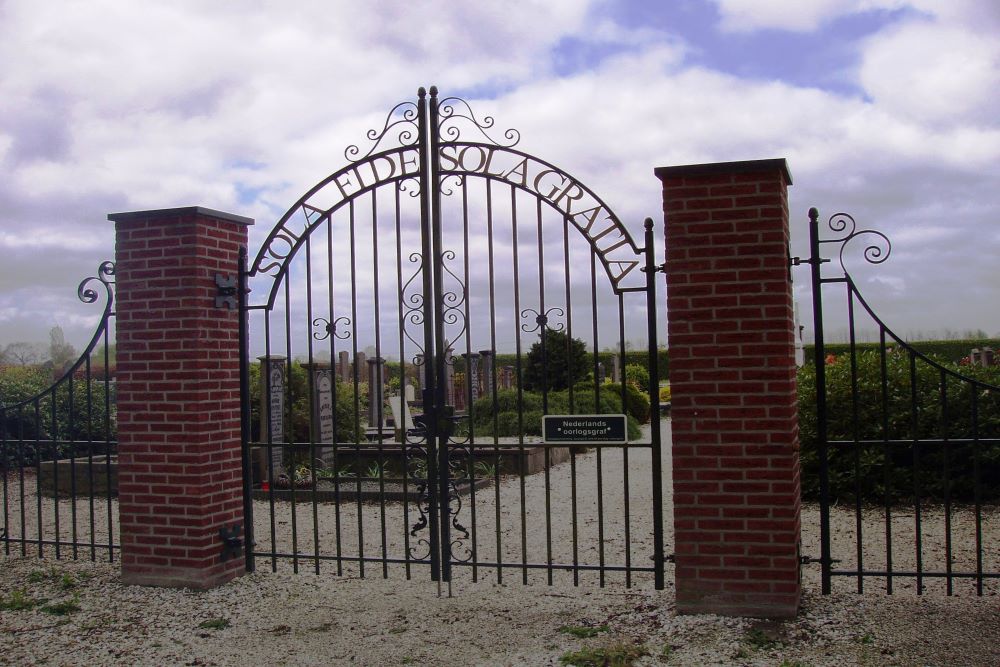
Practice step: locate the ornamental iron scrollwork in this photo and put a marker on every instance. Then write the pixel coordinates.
(405, 117)
(453, 301)
(455, 112)
(105, 275)
(846, 229)
(541, 320)
(328, 328)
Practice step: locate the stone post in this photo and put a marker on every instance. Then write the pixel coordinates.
(732, 375)
(376, 392)
(344, 366)
(489, 370)
(180, 466)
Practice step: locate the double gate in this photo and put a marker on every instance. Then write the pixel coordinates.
(901, 449)
(408, 322)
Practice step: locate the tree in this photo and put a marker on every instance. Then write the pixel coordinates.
(22, 354)
(61, 353)
(558, 364)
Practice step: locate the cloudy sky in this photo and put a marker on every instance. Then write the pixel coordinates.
(887, 109)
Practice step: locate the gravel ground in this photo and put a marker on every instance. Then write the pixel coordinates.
(302, 619)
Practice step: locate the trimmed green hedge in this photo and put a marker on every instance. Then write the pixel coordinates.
(949, 350)
(900, 471)
(636, 357)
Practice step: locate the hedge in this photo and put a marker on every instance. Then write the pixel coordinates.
(878, 472)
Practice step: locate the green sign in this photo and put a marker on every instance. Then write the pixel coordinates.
(584, 428)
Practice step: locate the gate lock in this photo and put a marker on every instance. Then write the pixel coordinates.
(232, 543)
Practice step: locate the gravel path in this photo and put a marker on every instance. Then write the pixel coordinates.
(287, 619)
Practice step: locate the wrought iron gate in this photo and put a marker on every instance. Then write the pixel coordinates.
(445, 255)
(907, 443)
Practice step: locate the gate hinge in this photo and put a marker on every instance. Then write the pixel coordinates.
(659, 268)
(232, 543)
(226, 285)
(796, 261)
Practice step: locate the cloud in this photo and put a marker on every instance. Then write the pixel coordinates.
(111, 106)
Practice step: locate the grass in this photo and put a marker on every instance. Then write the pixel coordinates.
(621, 653)
(759, 640)
(18, 601)
(583, 631)
(214, 624)
(64, 608)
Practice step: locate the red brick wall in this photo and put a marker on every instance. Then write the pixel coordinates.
(732, 377)
(179, 464)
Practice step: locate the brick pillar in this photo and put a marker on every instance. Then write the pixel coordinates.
(179, 464)
(732, 376)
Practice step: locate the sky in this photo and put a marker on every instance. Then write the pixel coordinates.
(886, 109)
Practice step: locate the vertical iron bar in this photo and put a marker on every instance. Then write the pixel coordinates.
(946, 446)
(289, 435)
(978, 487)
(430, 380)
(855, 434)
(915, 425)
(245, 426)
(654, 402)
(819, 362)
(597, 405)
(90, 457)
(265, 373)
(520, 387)
(357, 385)
(625, 462)
(38, 487)
(379, 392)
(401, 428)
(72, 467)
(311, 401)
(887, 460)
(468, 381)
(440, 344)
(545, 388)
(570, 376)
(335, 398)
(20, 466)
(6, 482)
(107, 438)
(53, 435)
(494, 407)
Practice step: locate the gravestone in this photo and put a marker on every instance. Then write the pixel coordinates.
(272, 407)
(344, 366)
(616, 369)
(488, 371)
(323, 410)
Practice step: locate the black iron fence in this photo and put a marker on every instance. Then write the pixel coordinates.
(901, 449)
(58, 448)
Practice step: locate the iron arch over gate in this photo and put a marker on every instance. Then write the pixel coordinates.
(415, 315)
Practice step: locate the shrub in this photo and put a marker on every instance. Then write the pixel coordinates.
(563, 364)
(637, 376)
(508, 424)
(877, 471)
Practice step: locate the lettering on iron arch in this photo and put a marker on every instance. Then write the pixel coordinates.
(581, 206)
(387, 167)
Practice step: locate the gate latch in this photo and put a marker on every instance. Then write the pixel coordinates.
(809, 560)
(232, 543)
(226, 295)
